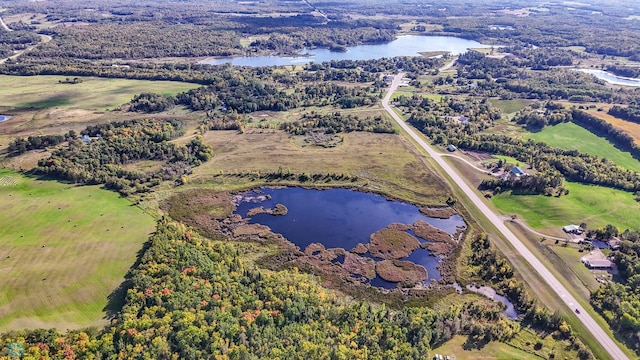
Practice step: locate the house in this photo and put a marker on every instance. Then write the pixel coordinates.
(461, 119)
(614, 243)
(597, 263)
(517, 171)
(572, 229)
(451, 148)
(85, 139)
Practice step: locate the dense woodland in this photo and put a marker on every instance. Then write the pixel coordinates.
(191, 298)
(337, 123)
(110, 148)
(531, 78)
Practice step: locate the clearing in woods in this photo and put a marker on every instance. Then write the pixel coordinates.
(63, 250)
(571, 136)
(39, 92)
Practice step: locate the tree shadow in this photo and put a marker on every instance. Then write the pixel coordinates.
(474, 343)
(117, 298)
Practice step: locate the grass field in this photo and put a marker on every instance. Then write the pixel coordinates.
(40, 92)
(434, 97)
(525, 345)
(574, 137)
(455, 348)
(510, 106)
(571, 256)
(594, 205)
(63, 250)
(383, 162)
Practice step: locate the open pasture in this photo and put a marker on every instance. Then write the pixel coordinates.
(574, 137)
(63, 250)
(98, 94)
(595, 205)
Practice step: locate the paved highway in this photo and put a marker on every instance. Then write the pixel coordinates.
(609, 345)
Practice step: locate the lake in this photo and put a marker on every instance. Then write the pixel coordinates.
(4, 117)
(611, 78)
(407, 45)
(341, 218)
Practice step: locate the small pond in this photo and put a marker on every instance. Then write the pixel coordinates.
(611, 78)
(408, 45)
(509, 310)
(4, 117)
(341, 218)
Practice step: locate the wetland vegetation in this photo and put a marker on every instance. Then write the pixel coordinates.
(116, 95)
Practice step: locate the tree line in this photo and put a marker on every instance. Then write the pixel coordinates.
(337, 122)
(112, 146)
(20, 146)
(571, 164)
(246, 95)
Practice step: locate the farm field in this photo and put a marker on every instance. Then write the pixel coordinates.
(630, 128)
(595, 205)
(510, 106)
(574, 137)
(63, 250)
(38, 92)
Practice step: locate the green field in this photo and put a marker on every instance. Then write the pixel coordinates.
(63, 250)
(456, 349)
(510, 106)
(39, 92)
(574, 137)
(594, 205)
(434, 97)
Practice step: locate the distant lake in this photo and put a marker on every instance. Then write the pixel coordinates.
(611, 78)
(4, 117)
(407, 45)
(341, 218)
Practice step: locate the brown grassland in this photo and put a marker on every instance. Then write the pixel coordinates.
(382, 163)
(628, 127)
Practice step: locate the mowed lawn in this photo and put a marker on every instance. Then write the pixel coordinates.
(456, 349)
(574, 137)
(63, 250)
(93, 93)
(510, 106)
(597, 206)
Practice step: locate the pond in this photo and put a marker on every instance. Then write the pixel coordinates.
(341, 218)
(408, 45)
(509, 310)
(4, 117)
(611, 78)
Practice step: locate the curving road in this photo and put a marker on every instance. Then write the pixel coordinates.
(607, 343)
(3, 25)
(448, 65)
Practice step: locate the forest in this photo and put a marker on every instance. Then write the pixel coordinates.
(103, 159)
(190, 298)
